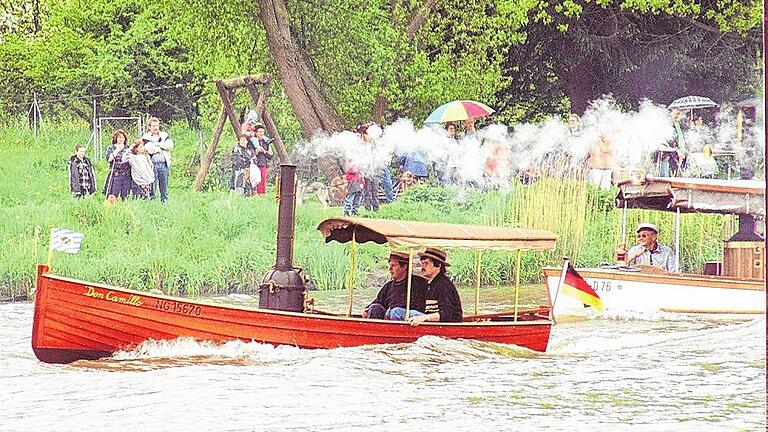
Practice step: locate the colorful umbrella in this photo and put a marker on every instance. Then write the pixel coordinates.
(459, 110)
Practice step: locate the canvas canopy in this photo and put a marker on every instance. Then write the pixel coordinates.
(741, 197)
(441, 235)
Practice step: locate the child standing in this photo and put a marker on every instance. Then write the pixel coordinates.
(82, 179)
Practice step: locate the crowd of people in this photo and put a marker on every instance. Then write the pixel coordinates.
(140, 169)
(602, 154)
(250, 160)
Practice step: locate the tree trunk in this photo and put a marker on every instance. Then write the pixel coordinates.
(302, 86)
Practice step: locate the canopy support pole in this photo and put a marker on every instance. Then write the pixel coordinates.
(517, 281)
(677, 240)
(352, 266)
(477, 280)
(624, 225)
(408, 285)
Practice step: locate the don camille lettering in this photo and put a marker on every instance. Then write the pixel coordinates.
(113, 296)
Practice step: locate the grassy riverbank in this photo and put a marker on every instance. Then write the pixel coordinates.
(214, 242)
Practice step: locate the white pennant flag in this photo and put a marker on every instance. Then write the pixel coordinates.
(65, 240)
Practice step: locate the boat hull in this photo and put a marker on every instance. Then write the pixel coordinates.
(81, 320)
(623, 291)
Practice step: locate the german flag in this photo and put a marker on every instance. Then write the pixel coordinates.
(575, 286)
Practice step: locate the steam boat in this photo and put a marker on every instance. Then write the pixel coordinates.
(734, 286)
(76, 319)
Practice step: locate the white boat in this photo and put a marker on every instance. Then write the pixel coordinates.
(738, 285)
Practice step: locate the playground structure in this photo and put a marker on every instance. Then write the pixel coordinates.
(258, 88)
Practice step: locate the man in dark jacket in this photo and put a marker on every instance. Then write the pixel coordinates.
(443, 302)
(391, 301)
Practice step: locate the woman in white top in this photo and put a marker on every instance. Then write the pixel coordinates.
(142, 171)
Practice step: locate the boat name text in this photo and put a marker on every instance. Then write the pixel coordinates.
(112, 296)
(604, 286)
(177, 307)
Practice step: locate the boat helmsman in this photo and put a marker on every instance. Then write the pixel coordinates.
(648, 251)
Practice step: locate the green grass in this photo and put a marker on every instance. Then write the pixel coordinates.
(214, 242)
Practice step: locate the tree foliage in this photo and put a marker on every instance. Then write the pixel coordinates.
(634, 49)
(527, 58)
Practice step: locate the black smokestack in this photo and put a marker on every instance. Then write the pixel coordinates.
(283, 286)
(286, 216)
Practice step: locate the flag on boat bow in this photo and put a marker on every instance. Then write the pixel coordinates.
(65, 240)
(575, 286)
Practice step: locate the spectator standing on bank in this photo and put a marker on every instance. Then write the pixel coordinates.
(355, 186)
(142, 171)
(82, 179)
(158, 145)
(119, 177)
(370, 198)
(242, 157)
(263, 156)
(600, 163)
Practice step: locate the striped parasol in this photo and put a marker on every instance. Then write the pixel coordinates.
(459, 110)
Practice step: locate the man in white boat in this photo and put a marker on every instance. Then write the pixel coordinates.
(390, 302)
(648, 251)
(443, 301)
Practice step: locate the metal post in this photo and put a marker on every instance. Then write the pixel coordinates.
(677, 240)
(352, 266)
(34, 115)
(517, 282)
(408, 285)
(477, 280)
(96, 133)
(624, 225)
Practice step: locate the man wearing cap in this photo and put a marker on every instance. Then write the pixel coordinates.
(391, 301)
(443, 302)
(648, 251)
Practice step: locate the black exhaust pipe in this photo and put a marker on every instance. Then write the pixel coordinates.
(283, 286)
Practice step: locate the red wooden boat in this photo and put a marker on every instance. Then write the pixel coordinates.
(82, 320)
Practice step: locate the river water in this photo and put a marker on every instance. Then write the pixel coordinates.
(660, 373)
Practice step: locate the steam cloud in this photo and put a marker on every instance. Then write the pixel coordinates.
(497, 152)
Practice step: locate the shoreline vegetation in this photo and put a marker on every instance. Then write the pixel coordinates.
(215, 242)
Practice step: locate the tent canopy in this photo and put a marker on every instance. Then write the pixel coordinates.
(441, 235)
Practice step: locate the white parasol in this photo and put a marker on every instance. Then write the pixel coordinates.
(692, 102)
